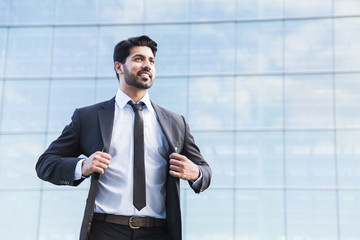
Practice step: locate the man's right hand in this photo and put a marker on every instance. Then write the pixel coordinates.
(97, 162)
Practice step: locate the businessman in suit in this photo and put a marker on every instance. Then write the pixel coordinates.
(136, 153)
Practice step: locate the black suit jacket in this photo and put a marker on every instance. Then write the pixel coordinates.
(90, 131)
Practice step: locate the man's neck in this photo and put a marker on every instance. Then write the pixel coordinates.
(135, 94)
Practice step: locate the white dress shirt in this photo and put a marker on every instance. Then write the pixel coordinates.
(115, 193)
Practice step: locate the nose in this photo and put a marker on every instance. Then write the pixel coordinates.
(147, 65)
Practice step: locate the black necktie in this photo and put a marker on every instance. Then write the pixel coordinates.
(139, 195)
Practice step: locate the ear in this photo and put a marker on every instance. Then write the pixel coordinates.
(118, 67)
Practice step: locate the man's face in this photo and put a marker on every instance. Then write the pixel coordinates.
(139, 68)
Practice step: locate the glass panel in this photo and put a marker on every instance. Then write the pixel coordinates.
(170, 93)
(210, 215)
(259, 46)
(211, 103)
(1, 100)
(348, 158)
(308, 7)
(213, 9)
(65, 96)
(19, 214)
(311, 215)
(5, 11)
(346, 7)
(29, 52)
(68, 207)
(259, 8)
(309, 101)
(310, 158)
(109, 37)
(75, 51)
(212, 48)
(32, 11)
(25, 105)
(347, 54)
(218, 150)
(173, 47)
(18, 167)
(347, 100)
(164, 10)
(183, 193)
(259, 102)
(349, 202)
(115, 11)
(3, 38)
(259, 158)
(308, 45)
(105, 89)
(259, 214)
(69, 11)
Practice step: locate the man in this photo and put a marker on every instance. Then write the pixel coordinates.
(137, 152)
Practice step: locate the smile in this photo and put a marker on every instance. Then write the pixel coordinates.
(145, 74)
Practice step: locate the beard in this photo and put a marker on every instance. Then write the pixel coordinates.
(136, 81)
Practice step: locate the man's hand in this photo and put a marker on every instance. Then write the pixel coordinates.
(182, 167)
(97, 162)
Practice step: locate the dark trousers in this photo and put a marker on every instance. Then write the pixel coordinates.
(101, 230)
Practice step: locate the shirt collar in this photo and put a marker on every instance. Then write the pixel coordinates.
(122, 99)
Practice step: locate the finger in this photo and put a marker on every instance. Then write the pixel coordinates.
(105, 155)
(101, 159)
(175, 162)
(176, 156)
(104, 161)
(175, 168)
(102, 155)
(175, 174)
(100, 168)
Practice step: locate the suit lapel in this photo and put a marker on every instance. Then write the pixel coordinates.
(106, 121)
(165, 123)
(172, 184)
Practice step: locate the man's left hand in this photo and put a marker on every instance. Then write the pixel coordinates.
(182, 167)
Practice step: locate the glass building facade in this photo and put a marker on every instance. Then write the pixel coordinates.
(270, 88)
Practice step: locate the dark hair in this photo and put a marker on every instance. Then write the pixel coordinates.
(122, 49)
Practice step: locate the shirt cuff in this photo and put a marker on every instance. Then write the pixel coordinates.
(197, 183)
(78, 174)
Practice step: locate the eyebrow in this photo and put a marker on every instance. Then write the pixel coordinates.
(140, 55)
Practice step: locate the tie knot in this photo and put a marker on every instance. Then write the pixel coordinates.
(136, 107)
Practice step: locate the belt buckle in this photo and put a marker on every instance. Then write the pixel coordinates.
(130, 222)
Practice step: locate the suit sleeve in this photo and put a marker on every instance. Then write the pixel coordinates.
(57, 164)
(192, 152)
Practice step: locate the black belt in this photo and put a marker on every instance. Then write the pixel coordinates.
(133, 222)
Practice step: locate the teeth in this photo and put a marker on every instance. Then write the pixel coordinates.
(145, 74)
